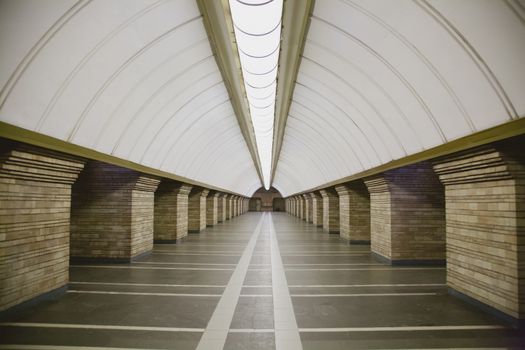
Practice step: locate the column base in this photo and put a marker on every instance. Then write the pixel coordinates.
(409, 262)
(511, 320)
(355, 241)
(51, 295)
(170, 241)
(101, 260)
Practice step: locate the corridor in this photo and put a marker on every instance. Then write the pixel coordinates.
(254, 282)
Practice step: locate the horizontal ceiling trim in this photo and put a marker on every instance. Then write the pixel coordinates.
(496, 133)
(16, 133)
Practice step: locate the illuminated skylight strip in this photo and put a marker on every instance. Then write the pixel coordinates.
(257, 26)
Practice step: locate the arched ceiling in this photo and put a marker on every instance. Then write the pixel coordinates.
(383, 80)
(377, 81)
(133, 79)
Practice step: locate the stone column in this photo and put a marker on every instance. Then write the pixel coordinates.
(212, 203)
(171, 212)
(197, 209)
(300, 199)
(234, 205)
(112, 214)
(354, 212)
(308, 207)
(221, 207)
(485, 224)
(228, 207)
(35, 186)
(407, 215)
(330, 210)
(317, 209)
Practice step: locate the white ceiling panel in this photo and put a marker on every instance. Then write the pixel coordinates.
(381, 80)
(135, 79)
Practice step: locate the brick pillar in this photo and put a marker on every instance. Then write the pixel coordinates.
(297, 207)
(485, 224)
(354, 212)
(171, 212)
(35, 186)
(227, 207)
(317, 209)
(307, 207)
(407, 215)
(112, 213)
(221, 207)
(212, 203)
(330, 210)
(302, 208)
(197, 210)
(234, 205)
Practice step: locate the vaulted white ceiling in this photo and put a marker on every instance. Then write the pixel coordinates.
(133, 79)
(378, 81)
(381, 80)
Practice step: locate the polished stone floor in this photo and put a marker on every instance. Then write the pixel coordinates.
(258, 281)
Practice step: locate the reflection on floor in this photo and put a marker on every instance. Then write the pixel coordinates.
(226, 288)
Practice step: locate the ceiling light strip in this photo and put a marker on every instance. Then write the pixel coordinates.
(259, 56)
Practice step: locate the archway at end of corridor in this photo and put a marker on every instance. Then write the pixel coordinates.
(267, 200)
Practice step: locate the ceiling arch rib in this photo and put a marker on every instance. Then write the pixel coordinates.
(328, 136)
(160, 146)
(415, 74)
(167, 106)
(353, 144)
(312, 135)
(181, 88)
(381, 97)
(374, 122)
(137, 87)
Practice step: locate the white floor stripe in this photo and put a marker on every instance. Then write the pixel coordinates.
(347, 264)
(181, 263)
(360, 295)
(214, 336)
(150, 268)
(371, 269)
(254, 330)
(143, 293)
(365, 285)
(152, 284)
(186, 254)
(99, 326)
(399, 329)
(257, 286)
(60, 347)
(286, 331)
(239, 252)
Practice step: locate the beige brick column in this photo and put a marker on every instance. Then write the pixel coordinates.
(330, 210)
(302, 208)
(197, 209)
(354, 212)
(35, 186)
(317, 209)
(235, 202)
(228, 207)
(212, 204)
(307, 207)
(485, 224)
(171, 212)
(297, 207)
(407, 215)
(221, 207)
(112, 213)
